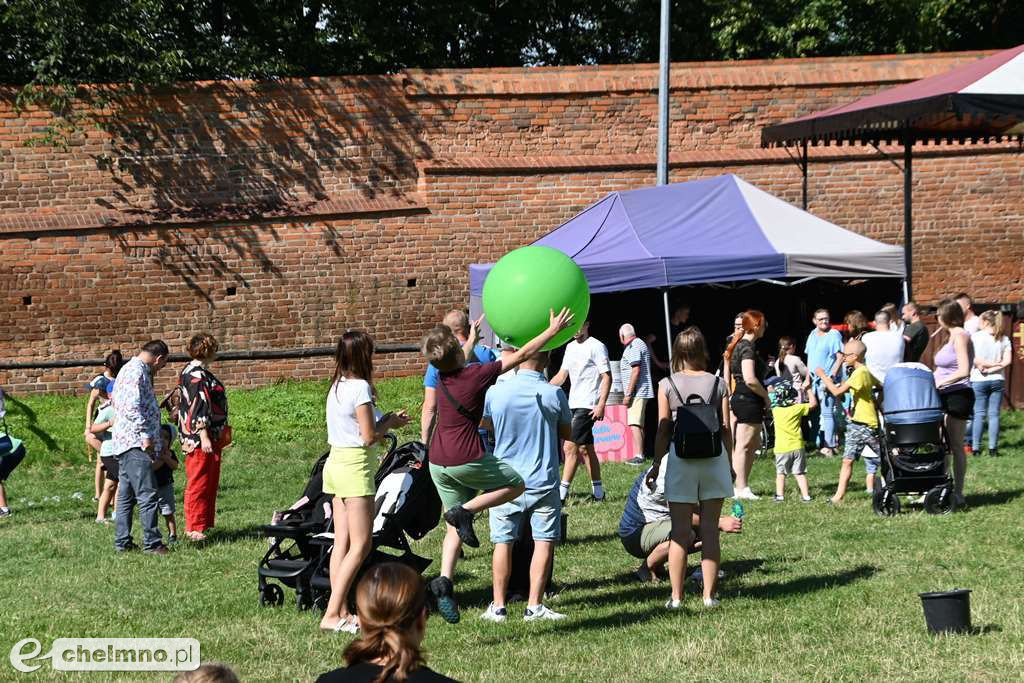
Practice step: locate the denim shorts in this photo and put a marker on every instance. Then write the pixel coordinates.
(543, 509)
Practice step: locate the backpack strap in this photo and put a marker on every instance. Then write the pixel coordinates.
(452, 400)
(714, 388)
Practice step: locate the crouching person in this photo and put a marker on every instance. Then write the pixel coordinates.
(528, 417)
(646, 526)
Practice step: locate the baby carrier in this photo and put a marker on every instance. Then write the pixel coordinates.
(915, 445)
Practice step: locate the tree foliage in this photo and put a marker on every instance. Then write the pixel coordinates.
(50, 47)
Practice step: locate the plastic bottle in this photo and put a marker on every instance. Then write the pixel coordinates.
(737, 509)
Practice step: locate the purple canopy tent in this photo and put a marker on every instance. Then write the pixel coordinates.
(714, 230)
(981, 100)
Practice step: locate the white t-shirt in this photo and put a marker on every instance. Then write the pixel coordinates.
(973, 325)
(884, 350)
(342, 400)
(585, 362)
(987, 348)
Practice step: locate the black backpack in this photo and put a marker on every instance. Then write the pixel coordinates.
(698, 427)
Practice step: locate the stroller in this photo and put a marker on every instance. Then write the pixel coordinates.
(301, 538)
(914, 443)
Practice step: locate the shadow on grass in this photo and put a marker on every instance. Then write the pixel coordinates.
(30, 415)
(590, 538)
(245, 533)
(802, 585)
(993, 498)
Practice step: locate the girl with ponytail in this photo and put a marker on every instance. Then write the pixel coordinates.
(749, 399)
(392, 604)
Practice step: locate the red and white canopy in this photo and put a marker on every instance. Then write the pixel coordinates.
(979, 100)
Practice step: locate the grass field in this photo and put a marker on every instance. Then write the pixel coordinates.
(812, 593)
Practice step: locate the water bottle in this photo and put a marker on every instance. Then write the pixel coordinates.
(737, 509)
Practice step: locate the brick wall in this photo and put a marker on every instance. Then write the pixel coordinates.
(277, 215)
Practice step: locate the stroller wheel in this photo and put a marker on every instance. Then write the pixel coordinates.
(885, 503)
(939, 501)
(271, 595)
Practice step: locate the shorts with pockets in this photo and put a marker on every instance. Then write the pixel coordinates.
(692, 480)
(794, 462)
(582, 427)
(642, 543)
(165, 498)
(857, 437)
(542, 509)
(459, 484)
(636, 412)
(348, 472)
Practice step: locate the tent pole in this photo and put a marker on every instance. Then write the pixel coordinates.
(668, 328)
(663, 82)
(908, 204)
(803, 167)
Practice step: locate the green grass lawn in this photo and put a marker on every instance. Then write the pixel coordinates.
(812, 593)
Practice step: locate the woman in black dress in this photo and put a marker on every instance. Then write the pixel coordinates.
(749, 397)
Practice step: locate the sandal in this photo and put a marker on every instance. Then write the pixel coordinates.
(347, 625)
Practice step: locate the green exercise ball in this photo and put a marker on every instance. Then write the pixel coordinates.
(525, 285)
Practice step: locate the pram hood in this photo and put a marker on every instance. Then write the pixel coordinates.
(910, 396)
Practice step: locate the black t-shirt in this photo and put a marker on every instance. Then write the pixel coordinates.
(745, 350)
(164, 475)
(917, 333)
(365, 672)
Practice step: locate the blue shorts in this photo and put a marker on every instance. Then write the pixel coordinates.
(542, 508)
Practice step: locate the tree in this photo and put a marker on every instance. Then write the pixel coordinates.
(51, 47)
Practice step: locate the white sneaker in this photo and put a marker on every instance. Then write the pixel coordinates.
(674, 604)
(495, 614)
(711, 603)
(747, 494)
(541, 613)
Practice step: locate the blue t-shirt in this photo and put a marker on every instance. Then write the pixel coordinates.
(526, 411)
(821, 350)
(644, 506)
(482, 353)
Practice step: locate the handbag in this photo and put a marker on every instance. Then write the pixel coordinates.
(224, 440)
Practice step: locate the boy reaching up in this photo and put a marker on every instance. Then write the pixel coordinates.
(862, 428)
(468, 480)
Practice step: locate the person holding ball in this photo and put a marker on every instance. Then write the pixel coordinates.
(469, 480)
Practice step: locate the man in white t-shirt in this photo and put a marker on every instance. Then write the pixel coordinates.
(972, 322)
(884, 349)
(586, 366)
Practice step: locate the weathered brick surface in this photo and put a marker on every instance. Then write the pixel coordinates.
(359, 202)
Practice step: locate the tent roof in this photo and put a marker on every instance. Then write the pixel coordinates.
(979, 100)
(719, 229)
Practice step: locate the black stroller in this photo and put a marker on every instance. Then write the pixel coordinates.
(914, 443)
(302, 537)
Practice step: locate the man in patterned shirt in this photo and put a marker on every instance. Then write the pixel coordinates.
(635, 374)
(136, 442)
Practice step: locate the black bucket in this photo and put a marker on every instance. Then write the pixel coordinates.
(947, 611)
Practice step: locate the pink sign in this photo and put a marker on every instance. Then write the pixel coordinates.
(612, 439)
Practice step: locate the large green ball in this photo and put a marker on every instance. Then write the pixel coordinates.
(525, 285)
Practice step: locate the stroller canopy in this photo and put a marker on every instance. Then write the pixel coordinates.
(910, 395)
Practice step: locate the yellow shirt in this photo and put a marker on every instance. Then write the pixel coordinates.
(788, 437)
(861, 383)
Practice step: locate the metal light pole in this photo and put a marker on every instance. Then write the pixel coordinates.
(663, 135)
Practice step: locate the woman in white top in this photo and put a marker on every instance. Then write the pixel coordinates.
(992, 355)
(790, 366)
(352, 430)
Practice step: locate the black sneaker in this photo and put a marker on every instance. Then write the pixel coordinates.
(462, 519)
(993, 453)
(442, 590)
(130, 546)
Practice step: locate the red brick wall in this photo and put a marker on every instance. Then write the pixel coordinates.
(319, 201)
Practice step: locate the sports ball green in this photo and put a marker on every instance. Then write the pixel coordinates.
(525, 285)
